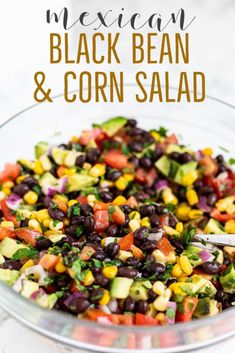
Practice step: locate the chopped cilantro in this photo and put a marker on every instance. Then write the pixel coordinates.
(76, 210)
(125, 150)
(78, 147)
(37, 189)
(188, 235)
(55, 222)
(224, 149)
(54, 206)
(25, 253)
(231, 161)
(97, 263)
(19, 216)
(77, 267)
(162, 131)
(170, 313)
(111, 209)
(79, 231)
(170, 207)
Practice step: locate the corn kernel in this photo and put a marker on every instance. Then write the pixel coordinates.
(66, 221)
(8, 184)
(179, 227)
(6, 191)
(119, 200)
(182, 212)
(21, 178)
(194, 214)
(167, 293)
(88, 278)
(155, 135)
(2, 196)
(145, 222)
(27, 264)
(185, 264)
(134, 215)
(168, 197)
(192, 197)
(46, 222)
(161, 317)
(134, 224)
(60, 198)
(98, 170)
(171, 231)
(208, 151)
(72, 202)
(159, 256)
(161, 303)
(38, 167)
(225, 203)
(128, 176)
(42, 215)
(91, 199)
(47, 233)
(176, 271)
(55, 225)
(230, 226)
(60, 267)
(31, 197)
(74, 139)
(34, 224)
(86, 166)
(121, 183)
(7, 224)
(45, 162)
(190, 178)
(171, 258)
(105, 298)
(158, 288)
(110, 271)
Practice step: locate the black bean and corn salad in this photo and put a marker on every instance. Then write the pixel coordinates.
(103, 227)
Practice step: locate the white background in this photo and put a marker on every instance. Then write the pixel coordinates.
(24, 50)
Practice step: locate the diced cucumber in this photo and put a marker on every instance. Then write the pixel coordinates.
(9, 246)
(120, 287)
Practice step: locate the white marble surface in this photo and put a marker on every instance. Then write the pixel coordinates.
(25, 46)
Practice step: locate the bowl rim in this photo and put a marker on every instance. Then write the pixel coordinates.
(87, 323)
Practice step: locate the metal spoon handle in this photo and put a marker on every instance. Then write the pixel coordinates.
(217, 239)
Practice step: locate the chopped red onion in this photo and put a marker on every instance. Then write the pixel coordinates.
(37, 269)
(104, 320)
(13, 201)
(18, 285)
(202, 205)
(156, 236)
(206, 256)
(50, 190)
(198, 155)
(161, 185)
(171, 320)
(38, 293)
(113, 305)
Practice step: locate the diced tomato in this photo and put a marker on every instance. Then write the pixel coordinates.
(115, 159)
(62, 205)
(73, 287)
(137, 252)
(118, 319)
(164, 220)
(210, 167)
(7, 233)
(140, 174)
(86, 253)
(61, 171)
(118, 216)
(101, 220)
(223, 184)
(145, 320)
(151, 177)
(94, 314)
(99, 205)
(48, 261)
(165, 246)
(172, 139)
(131, 202)
(186, 310)
(82, 200)
(221, 217)
(10, 173)
(89, 135)
(7, 213)
(29, 236)
(126, 242)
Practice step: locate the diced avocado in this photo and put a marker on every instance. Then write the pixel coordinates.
(40, 148)
(27, 164)
(70, 159)
(29, 287)
(213, 227)
(120, 287)
(123, 255)
(184, 170)
(227, 279)
(167, 166)
(196, 285)
(140, 289)
(206, 307)
(47, 301)
(78, 182)
(48, 179)
(112, 126)
(59, 155)
(192, 252)
(9, 246)
(8, 276)
(2, 260)
(177, 148)
(174, 167)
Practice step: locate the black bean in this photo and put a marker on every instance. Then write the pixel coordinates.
(131, 123)
(94, 245)
(154, 219)
(198, 184)
(95, 270)
(135, 146)
(147, 138)
(127, 220)
(172, 221)
(157, 153)
(226, 260)
(211, 199)
(112, 249)
(149, 264)
(30, 181)
(148, 245)
(132, 261)
(96, 294)
(62, 281)
(11, 265)
(159, 268)
(89, 225)
(170, 281)
(226, 305)
(147, 210)
(211, 268)
(222, 168)
(24, 223)
(79, 305)
(127, 272)
(112, 230)
(150, 191)
(152, 295)
(222, 296)
(92, 155)
(129, 304)
(43, 243)
(109, 144)
(106, 196)
(80, 160)
(94, 237)
(56, 213)
(203, 222)
(205, 190)
(141, 233)
(135, 131)
(72, 230)
(160, 210)
(141, 306)
(145, 162)
(176, 156)
(47, 202)
(77, 220)
(134, 160)
(101, 280)
(185, 158)
(126, 209)
(99, 255)
(219, 158)
(177, 243)
(113, 175)
(86, 210)
(21, 189)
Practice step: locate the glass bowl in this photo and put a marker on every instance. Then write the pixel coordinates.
(211, 123)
